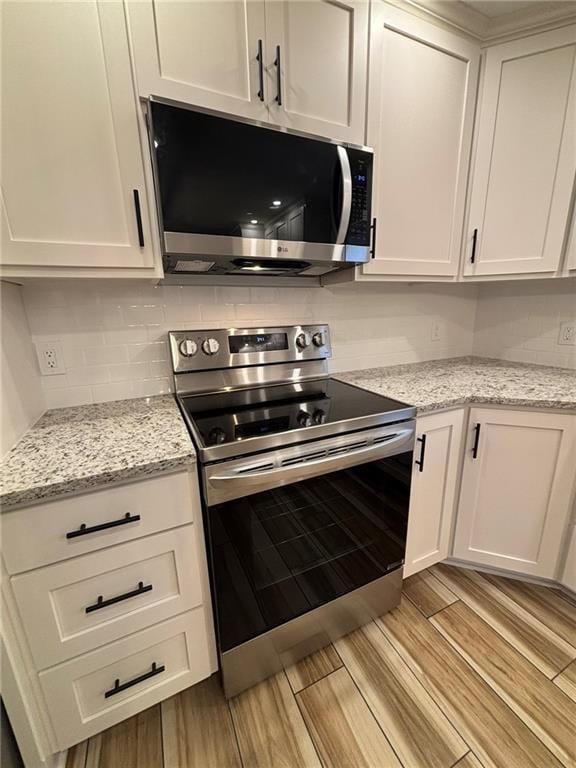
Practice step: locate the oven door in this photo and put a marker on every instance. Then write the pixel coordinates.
(292, 530)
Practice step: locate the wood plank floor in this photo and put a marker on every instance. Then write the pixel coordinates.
(470, 671)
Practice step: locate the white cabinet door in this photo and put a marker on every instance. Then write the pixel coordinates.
(71, 155)
(571, 246)
(420, 114)
(433, 494)
(516, 490)
(525, 156)
(319, 84)
(201, 52)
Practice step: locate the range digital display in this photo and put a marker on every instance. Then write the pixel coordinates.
(258, 342)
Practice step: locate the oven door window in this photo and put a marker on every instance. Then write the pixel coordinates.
(277, 554)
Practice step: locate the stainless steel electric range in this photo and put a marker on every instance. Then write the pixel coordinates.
(305, 486)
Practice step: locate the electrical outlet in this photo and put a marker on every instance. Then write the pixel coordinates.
(50, 358)
(437, 330)
(567, 333)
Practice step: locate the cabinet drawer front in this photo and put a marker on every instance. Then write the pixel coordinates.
(136, 672)
(75, 606)
(47, 533)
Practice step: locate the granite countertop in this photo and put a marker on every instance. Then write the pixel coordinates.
(70, 450)
(438, 384)
(91, 446)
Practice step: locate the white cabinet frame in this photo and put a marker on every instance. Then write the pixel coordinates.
(546, 254)
(390, 28)
(517, 489)
(433, 497)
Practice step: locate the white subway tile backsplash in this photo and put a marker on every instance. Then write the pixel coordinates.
(217, 314)
(148, 314)
(104, 355)
(120, 390)
(68, 396)
(520, 321)
(114, 335)
(148, 353)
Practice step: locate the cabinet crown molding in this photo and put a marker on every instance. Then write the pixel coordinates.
(490, 30)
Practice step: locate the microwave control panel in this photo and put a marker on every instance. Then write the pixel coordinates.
(361, 169)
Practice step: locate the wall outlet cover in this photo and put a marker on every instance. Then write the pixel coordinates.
(438, 330)
(567, 334)
(50, 358)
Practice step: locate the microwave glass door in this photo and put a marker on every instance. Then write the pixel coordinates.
(222, 177)
(277, 554)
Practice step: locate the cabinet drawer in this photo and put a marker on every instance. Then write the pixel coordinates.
(94, 691)
(77, 605)
(47, 533)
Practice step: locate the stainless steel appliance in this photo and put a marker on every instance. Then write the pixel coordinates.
(305, 486)
(239, 198)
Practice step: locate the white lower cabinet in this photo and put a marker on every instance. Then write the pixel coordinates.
(79, 604)
(568, 577)
(517, 485)
(112, 593)
(94, 691)
(433, 495)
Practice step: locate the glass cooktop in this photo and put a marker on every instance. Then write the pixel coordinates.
(234, 417)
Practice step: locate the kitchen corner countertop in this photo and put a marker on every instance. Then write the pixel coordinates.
(91, 446)
(438, 384)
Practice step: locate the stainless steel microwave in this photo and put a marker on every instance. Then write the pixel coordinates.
(239, 198)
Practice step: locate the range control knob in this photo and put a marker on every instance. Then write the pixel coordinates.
(318, 339)
(319, 416)
(188, 347)
(303, 418)
(303, 340)
(216, 436)
(210, 346)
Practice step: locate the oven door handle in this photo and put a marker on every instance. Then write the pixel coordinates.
(389, 445)
(346, 194)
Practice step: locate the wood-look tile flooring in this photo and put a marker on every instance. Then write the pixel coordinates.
(471, 671)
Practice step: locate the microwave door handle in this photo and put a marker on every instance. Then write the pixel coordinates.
(346, 194)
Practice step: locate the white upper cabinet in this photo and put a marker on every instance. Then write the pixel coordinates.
(571, 246)
(73, 172)
(420, 113)
(517, 484)
(317, 61)
(525, 159)
(434, 484)
(294, 63)
(202, 52)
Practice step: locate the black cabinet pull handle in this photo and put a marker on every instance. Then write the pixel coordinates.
(476, 441)
(420, 461)
(278, 98)
(119, 687)
(101, 603)
(84, 529)
(474, 241)
(260, 71)
(138, 219)
(373, 248)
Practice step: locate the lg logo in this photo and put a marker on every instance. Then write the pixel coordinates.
(282, 249)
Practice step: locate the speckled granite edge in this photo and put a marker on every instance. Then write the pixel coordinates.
(54, 491)
(74, 450)
(456, 382)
